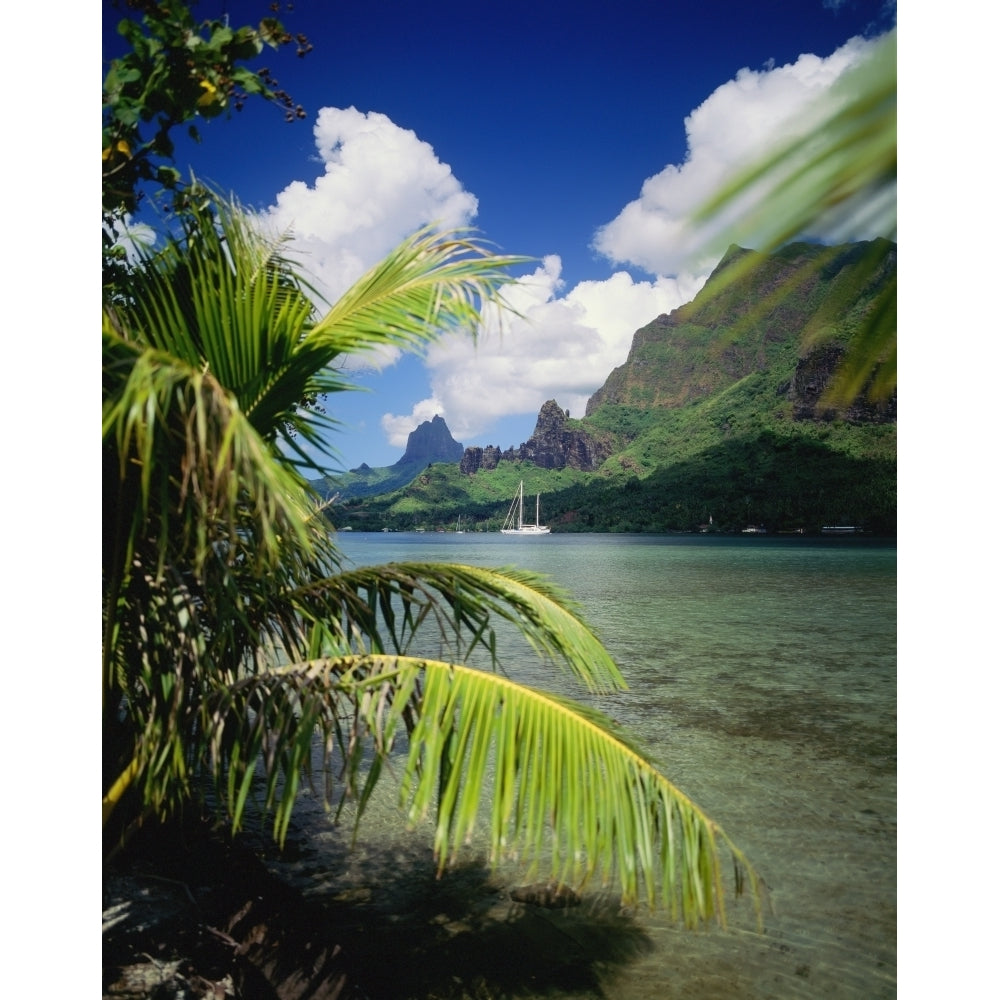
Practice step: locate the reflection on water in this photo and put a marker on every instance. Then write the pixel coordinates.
(762, 679)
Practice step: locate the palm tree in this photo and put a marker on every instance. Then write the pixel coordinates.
(235, 638)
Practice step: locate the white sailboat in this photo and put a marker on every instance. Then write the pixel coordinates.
(514, 525)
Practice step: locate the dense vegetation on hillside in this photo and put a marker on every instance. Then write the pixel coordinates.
(717, 416)
(785, 484)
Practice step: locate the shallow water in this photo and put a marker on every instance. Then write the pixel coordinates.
(762, 677)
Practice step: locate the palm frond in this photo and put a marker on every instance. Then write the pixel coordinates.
(226, 296)
(392, 604)
(219, 568)
(195, 452)
(538, 776)
(432, 283)
(564, 785)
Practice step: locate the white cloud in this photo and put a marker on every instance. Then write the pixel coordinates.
(379, 184)
(735, 125)
(561, 347)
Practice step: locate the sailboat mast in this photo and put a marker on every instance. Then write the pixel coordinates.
(518, 525)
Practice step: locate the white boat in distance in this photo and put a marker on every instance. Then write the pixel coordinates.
(514, 525)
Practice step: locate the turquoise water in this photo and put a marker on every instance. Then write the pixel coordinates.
(762, 676)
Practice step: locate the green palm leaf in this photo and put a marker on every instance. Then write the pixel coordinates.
(233, 635)
(225, 297)
(539, 776)
(396, 601)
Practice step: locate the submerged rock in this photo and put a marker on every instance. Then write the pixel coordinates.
(553, 895)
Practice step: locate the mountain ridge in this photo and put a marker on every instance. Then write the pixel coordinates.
(717, 415)
(815, 294)
(429, 442)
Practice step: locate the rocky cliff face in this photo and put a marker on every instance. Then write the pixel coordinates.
(813, 375)
(738, 326)
(431, 442)
(553, 445)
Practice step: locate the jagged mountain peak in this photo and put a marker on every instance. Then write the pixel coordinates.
(430, 442)
(555, 444)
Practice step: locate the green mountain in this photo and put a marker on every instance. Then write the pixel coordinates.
(715, 422)
(430, 442)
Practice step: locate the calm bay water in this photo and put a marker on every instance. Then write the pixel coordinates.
(762, 677)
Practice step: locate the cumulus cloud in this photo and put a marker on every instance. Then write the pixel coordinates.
(380, 182)
(560, 346)
(737, 123)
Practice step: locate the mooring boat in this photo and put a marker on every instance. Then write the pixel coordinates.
(515, 525)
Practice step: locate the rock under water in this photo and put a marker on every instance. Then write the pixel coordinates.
(553, 895)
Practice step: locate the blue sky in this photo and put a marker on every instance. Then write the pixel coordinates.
(580, 134)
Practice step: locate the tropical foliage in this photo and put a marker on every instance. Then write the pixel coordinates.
(831, 474)
(177, 70)
(239, 652)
